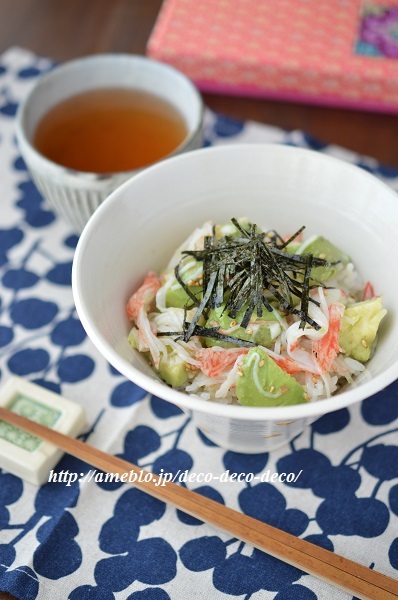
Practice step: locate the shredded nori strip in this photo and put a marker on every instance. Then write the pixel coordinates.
(208, 332)
(184, 286)
(292, 238)
(251, 270)
(305, 290)
(206, 296)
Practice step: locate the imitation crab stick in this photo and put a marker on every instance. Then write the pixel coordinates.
(143, 297)
(215, 361)
(326, 349)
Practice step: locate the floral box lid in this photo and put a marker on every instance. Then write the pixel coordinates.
(338, 53)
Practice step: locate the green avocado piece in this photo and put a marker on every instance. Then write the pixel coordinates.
(133, 338)
(264, 329)
(173, 371)
(293, 247)
(268, 384)
(320, 247)
(176, 296)
(359, 327)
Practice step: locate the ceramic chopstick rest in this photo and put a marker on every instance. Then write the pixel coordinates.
(23, 454)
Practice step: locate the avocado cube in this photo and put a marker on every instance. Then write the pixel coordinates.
(261, 330)
(264, 383)
(320, 247)
(359, 327)
(176, 296)
(173, 370)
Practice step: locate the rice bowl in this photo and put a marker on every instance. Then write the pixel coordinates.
(141, 223)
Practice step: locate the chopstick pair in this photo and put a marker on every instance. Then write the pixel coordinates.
(336, 570)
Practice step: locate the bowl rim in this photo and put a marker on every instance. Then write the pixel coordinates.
(55, 168)
(181, 399)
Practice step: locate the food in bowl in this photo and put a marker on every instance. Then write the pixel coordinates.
(241, 315)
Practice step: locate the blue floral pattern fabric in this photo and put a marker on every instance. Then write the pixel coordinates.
(103, 540)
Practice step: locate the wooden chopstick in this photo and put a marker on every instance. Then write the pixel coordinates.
(336, 570)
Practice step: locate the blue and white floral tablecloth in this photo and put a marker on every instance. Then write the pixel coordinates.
(102, 541)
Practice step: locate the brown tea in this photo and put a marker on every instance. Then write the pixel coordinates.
(109, 130)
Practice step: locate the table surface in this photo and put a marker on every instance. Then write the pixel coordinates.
(67, 29)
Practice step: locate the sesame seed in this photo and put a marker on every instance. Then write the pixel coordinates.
(271, 389)
(314, 380)
(190, 282)
(232, 323)
(240, 374)
(249, 331)
(364, 343)
(322, 255)
(343, 351)
(261, 363)
(306, 396)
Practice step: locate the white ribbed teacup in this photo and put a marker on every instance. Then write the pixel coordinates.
(75, 195)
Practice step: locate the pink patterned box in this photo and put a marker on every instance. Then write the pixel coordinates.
(332, 52)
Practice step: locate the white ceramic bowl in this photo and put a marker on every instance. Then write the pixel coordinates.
(76, 195)
(140, 224)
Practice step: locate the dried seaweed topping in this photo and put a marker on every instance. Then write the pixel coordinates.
(251, 270)
(207, 332)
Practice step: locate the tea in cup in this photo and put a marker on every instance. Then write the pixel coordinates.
(93, 123)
